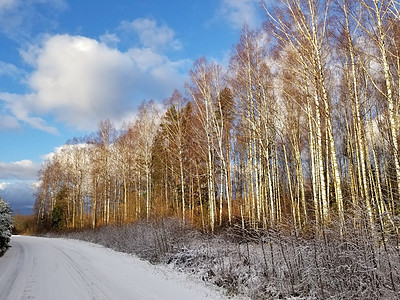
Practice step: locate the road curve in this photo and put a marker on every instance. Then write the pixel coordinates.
(43, 268)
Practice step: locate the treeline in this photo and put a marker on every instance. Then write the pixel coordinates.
(300, 130)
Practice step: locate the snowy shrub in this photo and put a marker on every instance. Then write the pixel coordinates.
(6, 224)
(153, 241)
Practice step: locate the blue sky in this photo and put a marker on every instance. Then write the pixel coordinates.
(67, 64)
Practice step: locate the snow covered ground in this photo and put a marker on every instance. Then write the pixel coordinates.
(44, 268)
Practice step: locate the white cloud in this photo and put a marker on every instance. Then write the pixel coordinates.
(18, 17)
(81, 81)
(110, 39)
(20, 170)
(7, 69)
(50, 156)
(9, 122)
(151, 35)
(36, 185)
(20, 108)
(239, 12)
(3, 185)
(66, 147)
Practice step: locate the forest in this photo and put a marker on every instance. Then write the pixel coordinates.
(300, 132)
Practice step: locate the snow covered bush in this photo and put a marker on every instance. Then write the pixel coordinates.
(153, 241)
(6, 224)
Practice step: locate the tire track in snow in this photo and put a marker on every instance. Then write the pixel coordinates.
(11, 270)
(78, 269)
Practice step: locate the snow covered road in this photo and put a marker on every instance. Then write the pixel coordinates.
(43, 268)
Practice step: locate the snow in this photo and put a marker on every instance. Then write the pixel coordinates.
(45, 268)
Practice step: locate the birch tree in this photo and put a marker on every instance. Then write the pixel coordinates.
(203, 89)
(302, 26)
(147, 126)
